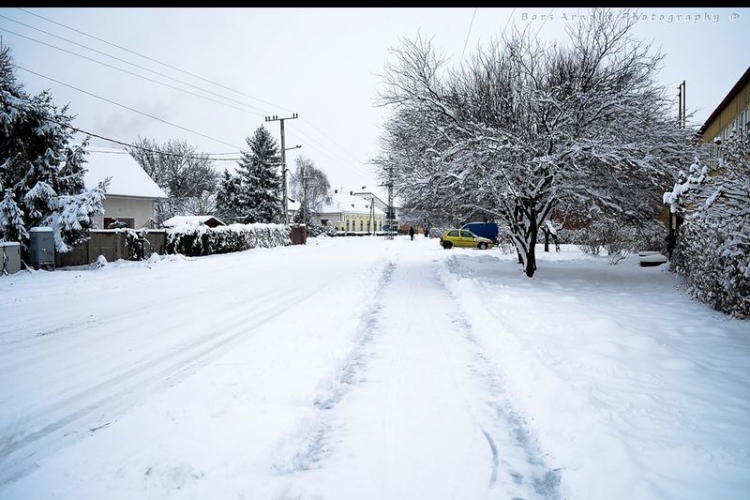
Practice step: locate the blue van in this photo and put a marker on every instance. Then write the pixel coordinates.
(486, 229)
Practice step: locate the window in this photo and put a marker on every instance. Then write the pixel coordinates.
(118, 222)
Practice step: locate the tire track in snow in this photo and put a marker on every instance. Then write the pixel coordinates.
(315, 448)
(544, 481)
(514, 466)
(73, 417)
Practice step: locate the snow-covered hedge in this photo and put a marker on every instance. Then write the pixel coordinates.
(714, 258)
(195, 241)
(712, 250)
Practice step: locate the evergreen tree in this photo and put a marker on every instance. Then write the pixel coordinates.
(260, 179)
(41, 175)
(229, 199)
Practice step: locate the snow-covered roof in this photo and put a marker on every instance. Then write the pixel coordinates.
(192, 220)
(349, 204)
(127, 176)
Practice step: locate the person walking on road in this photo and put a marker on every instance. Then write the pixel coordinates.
(411, 232)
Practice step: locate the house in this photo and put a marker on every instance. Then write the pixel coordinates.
(193, 220)
(131, 196)
(351, 214)
(731, 118)
(378, 202)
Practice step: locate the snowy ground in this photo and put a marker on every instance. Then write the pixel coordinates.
(371, 369)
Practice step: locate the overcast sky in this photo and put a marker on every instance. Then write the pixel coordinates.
(209, 77)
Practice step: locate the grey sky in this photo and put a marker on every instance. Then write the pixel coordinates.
(236, 66)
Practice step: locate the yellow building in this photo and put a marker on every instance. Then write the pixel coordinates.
(351, 214)
(731, 118)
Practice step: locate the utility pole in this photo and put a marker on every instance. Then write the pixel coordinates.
(390, 203)
(285, 203)
(681, 95)
(304, 196)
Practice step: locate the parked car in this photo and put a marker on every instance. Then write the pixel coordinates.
(485, 229)
(465, 239)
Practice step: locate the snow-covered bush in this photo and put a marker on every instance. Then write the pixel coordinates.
(714, 258)
(193, 241)
(137, 244)
(315, 230)
(712, 249)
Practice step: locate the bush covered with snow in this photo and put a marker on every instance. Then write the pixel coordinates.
(137, 244)
(714, 258)
(314, 230)
(712, 249)
(194, 241)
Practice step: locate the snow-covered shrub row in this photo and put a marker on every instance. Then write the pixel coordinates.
(195, 241)
(618, 240)
(712, 249)
(314, 230)
(714, 258)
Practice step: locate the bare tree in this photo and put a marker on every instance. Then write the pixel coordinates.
(523, 130)
(309, 186)
(188, 177)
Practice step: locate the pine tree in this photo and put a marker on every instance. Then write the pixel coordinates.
(229, 199)
(261, 182)
(41, 174)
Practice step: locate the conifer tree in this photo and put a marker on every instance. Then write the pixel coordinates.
(258, 170)
(41, 173)
(229, 199)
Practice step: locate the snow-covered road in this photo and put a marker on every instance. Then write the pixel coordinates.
(371, 369)
(343, 374)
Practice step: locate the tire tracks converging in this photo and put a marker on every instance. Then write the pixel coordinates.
(500, 457)
(72, 417)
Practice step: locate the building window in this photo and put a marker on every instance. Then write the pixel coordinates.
(118, 222)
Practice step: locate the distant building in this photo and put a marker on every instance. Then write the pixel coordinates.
(131, 196)
(381, 202)
(351, 214)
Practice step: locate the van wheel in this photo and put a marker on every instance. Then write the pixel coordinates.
(447, 245)
(482, 246)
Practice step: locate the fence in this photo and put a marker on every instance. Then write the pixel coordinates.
(112, 244)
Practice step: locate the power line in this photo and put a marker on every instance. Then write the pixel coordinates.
(140, 76)
(149, 58)
(345, 164)
(545, 21)
(128, 108)
(126, 144)
(467, 34)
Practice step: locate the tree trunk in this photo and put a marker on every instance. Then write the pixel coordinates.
(531, 253)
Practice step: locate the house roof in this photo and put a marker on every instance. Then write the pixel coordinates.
(350, 204)
(127, 176)
(744, 79)
(193, 220)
